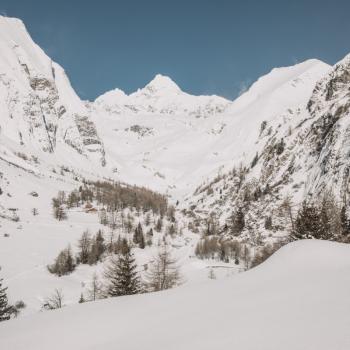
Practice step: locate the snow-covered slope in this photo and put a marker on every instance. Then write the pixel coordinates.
(297, 300)
(301, 153)
(161, 96)
(153, 137)
(39, 111)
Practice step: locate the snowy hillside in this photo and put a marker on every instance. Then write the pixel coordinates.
(174, 149)
(40, 112)
(300, 154)
(298, 299)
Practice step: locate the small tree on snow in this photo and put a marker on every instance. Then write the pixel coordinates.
(5, 308)
(163, 272)
(95, 289)
(122, 277)
(64, 263)
(84, 245)
(211, 274)
(55, 301)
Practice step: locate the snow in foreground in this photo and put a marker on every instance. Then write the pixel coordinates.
(298, 299)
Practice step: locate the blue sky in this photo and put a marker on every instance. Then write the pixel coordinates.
(206, 47)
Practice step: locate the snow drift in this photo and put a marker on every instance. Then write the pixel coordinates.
(298, 299)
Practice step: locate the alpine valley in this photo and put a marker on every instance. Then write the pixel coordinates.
(222, 184)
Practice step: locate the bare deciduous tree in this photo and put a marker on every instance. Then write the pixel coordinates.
(163, 272)
(55, 301)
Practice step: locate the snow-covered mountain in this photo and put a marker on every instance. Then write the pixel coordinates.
(161, 96)
(288, 135)
(301, 154)
(40, 112)
(155, 137)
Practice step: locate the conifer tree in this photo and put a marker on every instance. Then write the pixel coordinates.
(345, 224)
(308, 223)
(5, 308)
(122, 277)
(81, 299)
(139, 238)
(97, 248)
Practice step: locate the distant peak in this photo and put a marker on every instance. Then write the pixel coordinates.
(162, 82)
(112, 96)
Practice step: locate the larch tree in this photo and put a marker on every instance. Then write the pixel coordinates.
(163, 272)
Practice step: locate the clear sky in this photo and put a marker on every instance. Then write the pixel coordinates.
(206, 47)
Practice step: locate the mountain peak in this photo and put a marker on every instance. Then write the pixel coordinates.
(162, 83)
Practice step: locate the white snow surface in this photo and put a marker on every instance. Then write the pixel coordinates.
(297, 300)
(176, 148)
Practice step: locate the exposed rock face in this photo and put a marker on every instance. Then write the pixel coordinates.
(38, 106)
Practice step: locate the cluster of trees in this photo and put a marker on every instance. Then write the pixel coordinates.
(265, 252)
(64, 263)
(112, 196)
(116, 196)
(122, 276)
(323, 219)
(121, 273)
(214, 247)
(58, 206)
(90, 251)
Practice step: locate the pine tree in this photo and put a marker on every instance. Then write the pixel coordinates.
(345, 224)
(325, 220)
(81, 299)
(97, 248)
(139, 238)
(5, 308)
(122, 277)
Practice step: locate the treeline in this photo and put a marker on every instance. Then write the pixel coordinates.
(114, 196)
(322, 219)
(215, 247)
